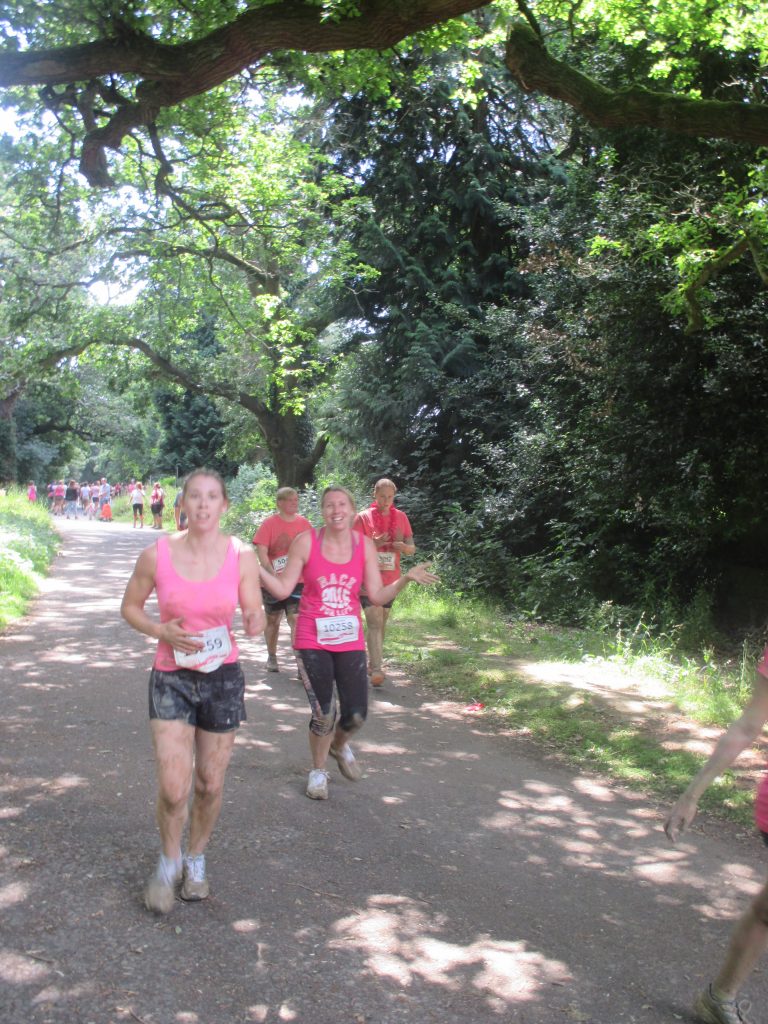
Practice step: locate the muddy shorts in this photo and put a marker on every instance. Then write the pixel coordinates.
(290, 605)
(211, 701)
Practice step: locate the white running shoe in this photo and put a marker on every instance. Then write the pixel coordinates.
(317, 784)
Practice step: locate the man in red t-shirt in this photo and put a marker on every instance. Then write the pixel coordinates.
(272, 540)
(391, 532)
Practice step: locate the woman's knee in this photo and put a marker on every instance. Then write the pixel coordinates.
(353, 719)
(322, 722)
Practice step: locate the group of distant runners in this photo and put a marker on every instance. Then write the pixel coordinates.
(323, 580)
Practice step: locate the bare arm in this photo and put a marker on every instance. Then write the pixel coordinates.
(740, 735)
(250, 592)
(262, 552)
(140, 586)
(376, 591)
(283, 586)
(406, 546)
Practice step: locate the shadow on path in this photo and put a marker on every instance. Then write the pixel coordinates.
(465, 878)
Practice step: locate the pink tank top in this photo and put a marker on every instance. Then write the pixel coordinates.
(200, 605)
(329, 613)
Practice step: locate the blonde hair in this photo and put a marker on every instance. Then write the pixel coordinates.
(385, 482)
(342, 490)
(286, 492)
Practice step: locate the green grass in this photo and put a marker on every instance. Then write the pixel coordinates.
(446, 642)
(28, 543)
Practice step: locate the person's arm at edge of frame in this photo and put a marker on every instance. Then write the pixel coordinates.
(375, 590)
(741, 734)
(283, 586)
(139, 587)
(250, 592)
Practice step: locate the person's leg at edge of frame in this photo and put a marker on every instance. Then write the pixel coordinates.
(174, 744)
(748, 943)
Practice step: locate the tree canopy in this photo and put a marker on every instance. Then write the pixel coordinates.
(118, 69)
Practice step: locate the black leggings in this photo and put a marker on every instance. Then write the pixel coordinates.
(319, 671)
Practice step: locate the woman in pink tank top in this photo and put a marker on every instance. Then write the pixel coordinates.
(335, 562)
(196, 686)
(720, 1000)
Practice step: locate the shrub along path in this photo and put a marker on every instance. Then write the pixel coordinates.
(466, 877)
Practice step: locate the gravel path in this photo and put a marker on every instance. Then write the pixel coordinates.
(465, 878)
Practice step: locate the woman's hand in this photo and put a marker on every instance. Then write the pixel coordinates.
(420, 574)
(173, 633)
(680, 817)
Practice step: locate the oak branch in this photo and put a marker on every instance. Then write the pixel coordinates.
(154, 75)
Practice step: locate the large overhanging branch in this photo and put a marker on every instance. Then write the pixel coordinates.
(536, 71)
(172, 74)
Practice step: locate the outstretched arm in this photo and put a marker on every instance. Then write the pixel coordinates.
(376, 591)
(734, 740)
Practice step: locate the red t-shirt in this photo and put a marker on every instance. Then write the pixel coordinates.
(396, 524)
(276, 534)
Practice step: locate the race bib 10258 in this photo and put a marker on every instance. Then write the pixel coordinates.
(338, 629)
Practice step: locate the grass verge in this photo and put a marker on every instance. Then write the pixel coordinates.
(28, 543)
(465, 649)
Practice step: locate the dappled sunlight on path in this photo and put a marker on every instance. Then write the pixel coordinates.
(467, 876)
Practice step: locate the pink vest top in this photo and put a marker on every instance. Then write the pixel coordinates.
(200, 605)
(331, 592)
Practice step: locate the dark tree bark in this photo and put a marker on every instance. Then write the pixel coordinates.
(538, 72)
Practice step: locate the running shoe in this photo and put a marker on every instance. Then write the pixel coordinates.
(348, 766)
(317, 784)
(194, 885)
(712, 1009)
(160, 891)
(272, 664)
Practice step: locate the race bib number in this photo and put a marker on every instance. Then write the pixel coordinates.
(338, 629)
(386, 561)
(217, 646)
(278, 564)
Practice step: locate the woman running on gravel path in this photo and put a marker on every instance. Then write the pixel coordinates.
(196, 687)
(330, 646)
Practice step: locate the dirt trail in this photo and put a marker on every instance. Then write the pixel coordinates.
(465, 878)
